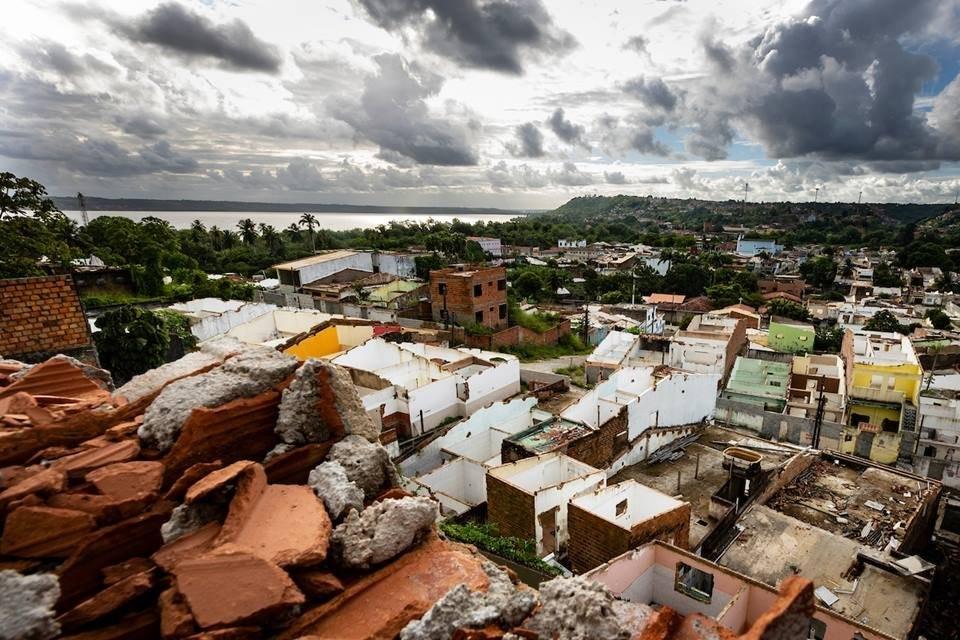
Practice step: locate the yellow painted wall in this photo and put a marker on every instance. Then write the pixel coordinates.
(907, 378)
(318, 345)
(885, 447)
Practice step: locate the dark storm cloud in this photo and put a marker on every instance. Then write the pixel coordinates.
(637, 43)
(529, 142)
(489, 35)
(178, 29)
(564, 129)
(393, 114)
(614, 177)
(570, 176)
(142, 127)
(653, 92)
(644, 141)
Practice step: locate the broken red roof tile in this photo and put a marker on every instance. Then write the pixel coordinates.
(190, 477)
(139, 536)
(238, 430)
(44, 482)
(108, 600)
(124, 480)
(381, 603)
(217, 479)
(233, 586)
(44, 532)
(58, 376)
(294, 466)
(106, 509)
(320, 585)
(286, 524)
(117, 572)
(187, 546)
(121, 431)
(233, 633)
(78, 465)
(16, 403)
(176, 621)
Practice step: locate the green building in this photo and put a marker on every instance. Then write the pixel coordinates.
(759, 382)
(790, 336)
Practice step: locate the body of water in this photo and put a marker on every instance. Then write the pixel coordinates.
(280, 220)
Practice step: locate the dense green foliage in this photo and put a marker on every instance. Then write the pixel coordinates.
(886, 321)
(485, 536)
(939, 319)
(132, 340)
(788, 309)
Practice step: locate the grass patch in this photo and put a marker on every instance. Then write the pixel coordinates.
(576, 374)
(568, 345)
(485, 536)
(107, 298)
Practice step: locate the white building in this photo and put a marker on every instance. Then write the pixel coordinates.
(709, 344)
(210, 317)
(297, 273)
(277, 326)
(938, 438)
(571, 244)
(415, 387)
(610, 355)
(492, 246)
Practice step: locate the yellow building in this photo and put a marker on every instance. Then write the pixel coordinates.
(884, 379)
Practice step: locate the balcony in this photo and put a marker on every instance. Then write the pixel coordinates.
(872, 394)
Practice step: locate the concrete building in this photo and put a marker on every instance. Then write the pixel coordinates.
(884, 379)
(790, 336)
(813, 378)
(610, 355)
(758, 382)
(658, 575)
(297, 273)
(751, 247)
(709, 344)
(467, 295)
(275, 327)
(528, 498)
(211, 317)
(489, 245)
(616, 518)
(937, 451)
(413, 387)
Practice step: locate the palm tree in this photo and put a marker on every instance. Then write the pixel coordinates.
(309, 221)
(293, 231)
(271, 238)
(217, 237)
(198, 231)
(248, 230)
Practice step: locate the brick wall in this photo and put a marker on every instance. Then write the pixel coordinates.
(600, 448)
(510, 509)
(460, 299)
(40, 317)
(515, 335)
(594, 540)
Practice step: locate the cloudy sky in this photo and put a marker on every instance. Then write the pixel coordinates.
(508, 103)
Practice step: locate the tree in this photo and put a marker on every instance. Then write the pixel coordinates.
(32, 228)
(248, 231)
(788, 309)
(23, 196)
(528, 284)
(886, 276)
(820, 272)
(939, 319)
(132, 340)
(309, 221)
(828, 338)
(886, 322)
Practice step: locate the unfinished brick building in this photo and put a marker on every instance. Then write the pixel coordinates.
(465, 294)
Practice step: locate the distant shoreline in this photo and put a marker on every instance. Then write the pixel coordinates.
(145, 204)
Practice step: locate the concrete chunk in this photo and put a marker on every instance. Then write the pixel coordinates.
(27, 606)
(243, 376)
(577, 609)
(382, 531)
(339, 494)
(366, 464)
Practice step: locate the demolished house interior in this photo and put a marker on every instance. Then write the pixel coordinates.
(242, 493)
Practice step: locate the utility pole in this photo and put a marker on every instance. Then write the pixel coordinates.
(859, 196)
(816, 195)
(83, 208)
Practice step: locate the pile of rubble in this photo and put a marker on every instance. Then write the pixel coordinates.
(239, 493)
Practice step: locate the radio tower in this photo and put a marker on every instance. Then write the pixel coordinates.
(83, 208)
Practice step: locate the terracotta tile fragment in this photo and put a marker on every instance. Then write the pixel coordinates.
(105, 509)
(144, 624)
(294, 466)
(318, 585)
(121, 431)
(125, 480)
(394, 493)
(108, 600)
(176, 621)
(56, 377)
(45, 482)
(188, 546)
(286, 524)
(78, 465)
(233, 586)
(41, 532)
(95, 443)
(232, 633)
(17, 403)
(117, 572)
(189, 478)
(216, 480)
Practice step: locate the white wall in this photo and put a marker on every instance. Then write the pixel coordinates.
(214, 324)
(438, 401)
(698, 356)
(629, 379)
(559, 496)
(677, 400)
(458, 485)
(360, 261)
(492, 385)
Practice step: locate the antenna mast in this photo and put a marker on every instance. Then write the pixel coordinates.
(83, 208)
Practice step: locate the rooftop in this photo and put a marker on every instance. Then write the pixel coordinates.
(627, 503)
(542, 472)
(549, 435)
(327, 256)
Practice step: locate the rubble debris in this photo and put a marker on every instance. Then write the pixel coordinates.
(188, 518)
(339, 494)
(501, 603)
(258, 588)
(188, 545)
(176, 621)
(44, 532)
(27, 606)
(61, 376)
(46, 481)
(125, 480)
(151, 382)
(108, 600)
(318, 584)
(133, 566)
(190, 477)
(382, 531)
(79, 464)
(321, 402)
(366, 464)
(248, 374)
(286, 524)
(577, 609)
(216, 481)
